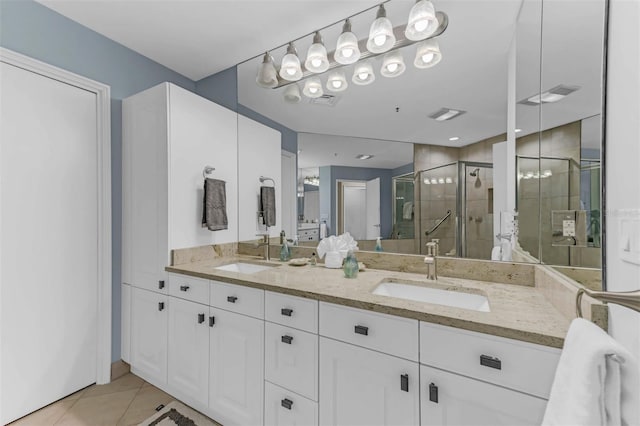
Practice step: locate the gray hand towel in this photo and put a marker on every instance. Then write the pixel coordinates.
(214, 209)
(268, 204)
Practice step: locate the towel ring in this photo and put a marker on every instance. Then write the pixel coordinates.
(263, 179)
(207, 170)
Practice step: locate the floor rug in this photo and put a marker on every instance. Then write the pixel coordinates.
(178, 414)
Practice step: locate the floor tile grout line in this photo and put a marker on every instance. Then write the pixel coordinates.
(130, 402)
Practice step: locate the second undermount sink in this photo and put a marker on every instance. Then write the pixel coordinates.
(453, 298)
(244, 268)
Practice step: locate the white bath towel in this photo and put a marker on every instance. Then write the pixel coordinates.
(506, 255)
(407, 210)
(592, 387)
(496, 253)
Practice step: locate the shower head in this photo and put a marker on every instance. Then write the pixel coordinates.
(474, 173)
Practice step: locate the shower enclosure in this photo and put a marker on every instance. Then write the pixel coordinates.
(456, 207)
(403, 207)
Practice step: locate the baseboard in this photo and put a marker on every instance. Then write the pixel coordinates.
(119, 369)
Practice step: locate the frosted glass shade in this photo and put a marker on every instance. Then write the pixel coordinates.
(317, 56)
(313, 88)
(363, 74)
(291, 94)
(381, 36)
(337, 82)
(428, 54)
(392, 64)
(422, 21)
(290, 69)
(267, 76)
(347, 50)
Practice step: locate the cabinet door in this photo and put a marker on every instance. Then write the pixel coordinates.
(362, 387)
(188, 363)
(149, 319)
(464, 401)
(285, 408)
(236, 369)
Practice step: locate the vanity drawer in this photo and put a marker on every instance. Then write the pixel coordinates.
(522, 366)
(189, 288)
(385, 333)
(308, 234)
(286, 408)
(291, 359)
(237, 298)
(296, 312)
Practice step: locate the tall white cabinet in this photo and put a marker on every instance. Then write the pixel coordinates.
(169, 136)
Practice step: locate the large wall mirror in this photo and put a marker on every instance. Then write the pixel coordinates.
(514, 176)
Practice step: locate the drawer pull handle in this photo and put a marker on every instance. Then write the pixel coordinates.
(286, 339)
(184, 288)
(212, 321)
(286, 312)
(200, 318)
(286, 403)
(161, 284)
(491, 362)
(161, 306)
(361, 329)
(232, 299)
(433, 393)
(404, 382)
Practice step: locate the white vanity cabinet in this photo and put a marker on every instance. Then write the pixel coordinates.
(188, 350)
(371, 375)
(236, 368)
(149, 322)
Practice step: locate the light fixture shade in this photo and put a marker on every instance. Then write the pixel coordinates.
(363, 74)
(317, 56)
(290, 67)
(336, 82)
(313, 88)
(291, 94)
(392, 64)
(267, 76)
(381, 36)
(422, 21)
(428, 54)
(347, 50)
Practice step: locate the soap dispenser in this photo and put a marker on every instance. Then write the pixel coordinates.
(378, 244)
(285, 253)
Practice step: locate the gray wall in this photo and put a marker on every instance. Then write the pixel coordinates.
(31, 29)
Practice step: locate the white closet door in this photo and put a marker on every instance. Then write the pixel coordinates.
(49, 245)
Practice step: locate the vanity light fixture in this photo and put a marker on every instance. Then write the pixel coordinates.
(393, 64)
(290, 69)
(422, 21)
(381, 37)
(347, 50)
(292, 94)
(363, 74)
(337, 81)
(364, 156)
(267, 75)
(428, 54)
(312, 180)
(448, 180)
(312, 88)
(444, 114)
(317, 61)
(554, 94)
(434, 181)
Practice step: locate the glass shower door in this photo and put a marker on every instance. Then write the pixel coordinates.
(438, 208)
(476, 222)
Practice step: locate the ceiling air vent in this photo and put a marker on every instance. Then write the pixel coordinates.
(326, 100)
(552, 95)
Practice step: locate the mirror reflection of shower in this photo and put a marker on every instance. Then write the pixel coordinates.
(475, 174)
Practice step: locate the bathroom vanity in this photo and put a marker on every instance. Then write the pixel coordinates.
(275, 344)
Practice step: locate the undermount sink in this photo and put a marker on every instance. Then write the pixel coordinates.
(456, 299)
(244, 268)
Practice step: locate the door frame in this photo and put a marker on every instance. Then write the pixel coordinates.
(103, 166)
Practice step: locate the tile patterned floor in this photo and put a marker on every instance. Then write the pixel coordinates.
(125, 401)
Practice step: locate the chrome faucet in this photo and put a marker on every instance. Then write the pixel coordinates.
(266, 245)
(431, 259)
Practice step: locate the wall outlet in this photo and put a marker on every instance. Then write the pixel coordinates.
(569, 228)
(629, 237)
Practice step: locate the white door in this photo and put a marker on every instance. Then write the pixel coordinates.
(236, 369)
(363, 387)
(49, 157)
(354, 209)
(149, 321)
(188, 354)
(373, 209)
(449, 399)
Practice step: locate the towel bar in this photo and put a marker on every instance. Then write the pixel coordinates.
(628, 299)
(207, 170)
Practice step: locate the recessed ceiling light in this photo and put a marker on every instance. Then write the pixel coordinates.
(455, 138)
(554, 94)
(517, 130)
(446, 114)
(364, 156)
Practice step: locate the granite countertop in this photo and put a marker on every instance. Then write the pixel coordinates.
(517, 311)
